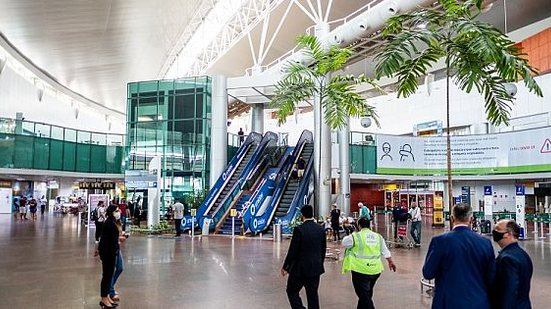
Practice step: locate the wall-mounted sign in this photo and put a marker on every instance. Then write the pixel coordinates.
(511, 152)
(5, 183)
(96, 185)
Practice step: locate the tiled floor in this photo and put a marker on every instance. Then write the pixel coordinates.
(50, 264)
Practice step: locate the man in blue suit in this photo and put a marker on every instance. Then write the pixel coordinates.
(462, 264)
(513, 269)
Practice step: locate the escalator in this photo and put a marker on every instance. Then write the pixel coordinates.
(254, 161)
(257, 221)
(226, 226)
(227, 179)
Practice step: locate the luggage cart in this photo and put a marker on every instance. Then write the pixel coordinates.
(403, 240)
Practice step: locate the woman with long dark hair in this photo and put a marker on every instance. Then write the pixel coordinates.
(108, 251)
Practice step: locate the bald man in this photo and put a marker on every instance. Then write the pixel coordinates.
(513, 269)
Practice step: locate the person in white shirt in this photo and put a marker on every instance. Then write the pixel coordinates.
(178, 212)
(415, 213)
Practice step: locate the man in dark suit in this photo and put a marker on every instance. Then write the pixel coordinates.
(513, 269)
(462, 264)
(304, 261)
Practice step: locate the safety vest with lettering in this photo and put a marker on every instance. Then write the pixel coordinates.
(365, 256)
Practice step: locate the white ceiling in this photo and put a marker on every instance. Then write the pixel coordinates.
(94, 47)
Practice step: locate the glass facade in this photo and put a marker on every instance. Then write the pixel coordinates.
(171, 119)
(35, 145)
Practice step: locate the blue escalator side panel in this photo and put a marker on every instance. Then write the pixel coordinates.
(281, 183)
(264, 191)
(220, 183)
(269, 137)
(256, 223)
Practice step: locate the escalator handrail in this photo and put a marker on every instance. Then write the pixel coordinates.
(212, 195)
(218, 187)
(245, 174)
(302, 191)
(282, 180)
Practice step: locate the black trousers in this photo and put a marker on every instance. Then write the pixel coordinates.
(336, 232)
(99, 228)
(108, 269)
(295, 284)
(363, 286)
(178, 226)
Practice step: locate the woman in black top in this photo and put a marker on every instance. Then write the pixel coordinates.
(108, 250)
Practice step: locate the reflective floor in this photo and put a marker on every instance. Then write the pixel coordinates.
(50, 264)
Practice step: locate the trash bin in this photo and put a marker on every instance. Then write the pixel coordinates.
(277, 232)
(206, 225)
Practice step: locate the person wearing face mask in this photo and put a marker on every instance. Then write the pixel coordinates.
(513, 269)
(108, 250)
(462, 264)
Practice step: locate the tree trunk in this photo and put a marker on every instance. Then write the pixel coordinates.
(448, 141)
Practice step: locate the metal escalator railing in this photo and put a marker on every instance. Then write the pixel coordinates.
(255, 221)
(213, 194)
(269, 139)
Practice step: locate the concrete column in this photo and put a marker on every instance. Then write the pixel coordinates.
(344, 166)
(257, 118)
(322, 149)
(219, 129)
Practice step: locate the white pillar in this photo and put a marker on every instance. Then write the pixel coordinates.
(344, 165)
(153, 193)
(257, 118)
(322, 149)
(219, 129)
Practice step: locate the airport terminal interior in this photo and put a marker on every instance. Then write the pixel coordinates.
(208, 125)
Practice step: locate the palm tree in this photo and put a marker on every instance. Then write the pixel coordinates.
(334, 95)
(477, 56)
(337, 94)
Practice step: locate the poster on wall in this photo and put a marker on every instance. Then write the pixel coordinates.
(388, 199)
(93, 201)
(404, 200)
(511, 152)
(395, 198)
(429, 203)
(438, 209)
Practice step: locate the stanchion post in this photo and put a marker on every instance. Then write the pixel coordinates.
(233, 213)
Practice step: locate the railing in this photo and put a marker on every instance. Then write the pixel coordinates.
(40, 146)
(44, 130)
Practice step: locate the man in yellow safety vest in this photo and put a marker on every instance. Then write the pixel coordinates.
(364, 250)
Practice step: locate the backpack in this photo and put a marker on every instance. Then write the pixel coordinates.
(94, 214)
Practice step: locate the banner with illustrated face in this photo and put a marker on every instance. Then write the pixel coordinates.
(512, 152)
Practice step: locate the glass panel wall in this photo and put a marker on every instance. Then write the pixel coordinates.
(34, 145)
(171, 119)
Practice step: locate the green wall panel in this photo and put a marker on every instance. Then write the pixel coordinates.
(83, 158)
(7, 148)
(41, 153)
(23, 156)
(69, 153)
(56, 155)
(98, 157)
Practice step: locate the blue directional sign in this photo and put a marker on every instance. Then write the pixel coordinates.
(487, 190)
(519, 189)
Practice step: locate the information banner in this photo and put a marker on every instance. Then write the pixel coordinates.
(520, 205)
(511, 152)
